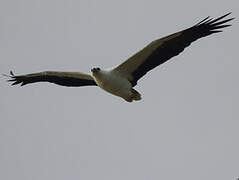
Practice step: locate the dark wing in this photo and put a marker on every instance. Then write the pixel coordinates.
(161, 50)
(72, 79)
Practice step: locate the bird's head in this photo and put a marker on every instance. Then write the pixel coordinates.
(95, 70)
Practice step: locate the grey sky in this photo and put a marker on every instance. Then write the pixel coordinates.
(186, 126)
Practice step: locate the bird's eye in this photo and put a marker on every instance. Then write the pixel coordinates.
(97, 69)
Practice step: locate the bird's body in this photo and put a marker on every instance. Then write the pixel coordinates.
(120, 80)
(113, 82)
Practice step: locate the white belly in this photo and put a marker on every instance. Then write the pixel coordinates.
(113, 84)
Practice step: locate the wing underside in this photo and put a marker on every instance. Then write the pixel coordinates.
(70, 79)
(161, 50)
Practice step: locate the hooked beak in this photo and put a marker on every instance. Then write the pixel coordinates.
(93, 70)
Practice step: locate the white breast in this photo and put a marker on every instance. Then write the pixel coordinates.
(113, 83)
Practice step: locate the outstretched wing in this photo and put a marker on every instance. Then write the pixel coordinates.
(161, 50)
(71, 79)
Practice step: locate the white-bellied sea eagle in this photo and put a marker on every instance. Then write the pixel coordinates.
(121, 79)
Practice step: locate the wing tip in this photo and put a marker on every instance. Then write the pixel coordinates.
(212, 25)
(13, 79)
(212, 21)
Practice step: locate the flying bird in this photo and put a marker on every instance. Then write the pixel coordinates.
(121, 79)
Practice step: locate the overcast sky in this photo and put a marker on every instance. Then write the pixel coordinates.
(185, 127)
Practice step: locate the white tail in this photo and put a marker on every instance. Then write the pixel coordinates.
(136, 95)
